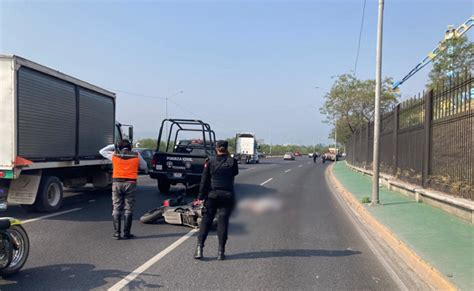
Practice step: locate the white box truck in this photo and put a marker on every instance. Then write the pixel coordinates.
(246, 148)
(52, 127)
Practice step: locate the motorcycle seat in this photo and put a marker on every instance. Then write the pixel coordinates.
(4, 223)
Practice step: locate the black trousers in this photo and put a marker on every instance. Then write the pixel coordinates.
(223, 207)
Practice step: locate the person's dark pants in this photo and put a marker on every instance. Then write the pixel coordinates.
(123, 198)
(222, 206)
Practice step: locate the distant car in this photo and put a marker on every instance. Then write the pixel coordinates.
(297, 154)
(310, 155)
(289, 156)
(147, 155)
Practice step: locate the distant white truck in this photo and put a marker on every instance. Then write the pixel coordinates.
(246, 148)
(52, 127)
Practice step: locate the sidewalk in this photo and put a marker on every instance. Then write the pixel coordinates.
(442, 240)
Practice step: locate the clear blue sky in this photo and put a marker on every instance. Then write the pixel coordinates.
(243, 65)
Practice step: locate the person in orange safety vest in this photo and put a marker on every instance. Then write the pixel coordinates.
(126, 165)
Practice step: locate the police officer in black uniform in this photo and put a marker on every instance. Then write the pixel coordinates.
(217, 194)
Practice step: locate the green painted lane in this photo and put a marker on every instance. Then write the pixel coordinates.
(443, 240)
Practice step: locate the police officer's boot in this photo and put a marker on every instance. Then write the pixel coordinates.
(198, 254)
(127, 227)
(117, 220)
(220, 253)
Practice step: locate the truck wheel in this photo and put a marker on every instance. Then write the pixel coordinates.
(50, 194)
(164, 185)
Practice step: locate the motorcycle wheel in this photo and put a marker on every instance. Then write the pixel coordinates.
(6, 250)
(153, 215)
(21, 249)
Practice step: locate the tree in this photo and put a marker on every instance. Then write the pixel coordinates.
(350, 103)
(231, 142)
(456, 56)
(146, 143)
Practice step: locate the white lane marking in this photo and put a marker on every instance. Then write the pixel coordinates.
(130, 277)
(49, 215)
(287, 171)
(300, 166)
(266, 182)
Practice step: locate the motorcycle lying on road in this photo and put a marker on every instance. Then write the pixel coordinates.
(14, 245)
(177, 211)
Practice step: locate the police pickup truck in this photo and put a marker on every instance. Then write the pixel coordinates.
(182, 161)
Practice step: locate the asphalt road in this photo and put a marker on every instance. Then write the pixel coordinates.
(308, 243)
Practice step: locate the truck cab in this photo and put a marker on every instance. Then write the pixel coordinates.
(246, 148)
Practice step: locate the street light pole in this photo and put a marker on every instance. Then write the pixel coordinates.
(271, 142)
(166, 108)
(378, 89)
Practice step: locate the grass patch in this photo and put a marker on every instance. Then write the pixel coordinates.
(365, 200)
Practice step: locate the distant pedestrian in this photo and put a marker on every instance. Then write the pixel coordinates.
(125, 165)
(217, 194)
(323, 158)
(315, 157)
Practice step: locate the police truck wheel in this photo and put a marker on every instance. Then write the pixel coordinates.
(50, 194)
(164, 185)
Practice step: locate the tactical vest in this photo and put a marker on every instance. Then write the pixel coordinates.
(125, 165)
(222, 175)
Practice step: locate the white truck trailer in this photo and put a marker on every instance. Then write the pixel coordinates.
(52, 127)
(246, 148)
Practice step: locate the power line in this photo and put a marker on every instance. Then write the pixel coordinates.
(360, 37)
(138, 94)
(183, 108)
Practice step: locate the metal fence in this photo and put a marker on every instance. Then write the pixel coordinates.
(427, 140)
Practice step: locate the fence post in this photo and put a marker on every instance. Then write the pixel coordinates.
(367, 152)
(356, 138)
(427, 139)
(396, 113)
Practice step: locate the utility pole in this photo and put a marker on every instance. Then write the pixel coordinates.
(378, 88)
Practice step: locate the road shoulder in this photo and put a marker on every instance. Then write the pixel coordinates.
(409, 267)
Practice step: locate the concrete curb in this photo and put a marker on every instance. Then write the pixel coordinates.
(431, 275)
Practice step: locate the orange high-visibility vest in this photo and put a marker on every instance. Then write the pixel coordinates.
(125, 166)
